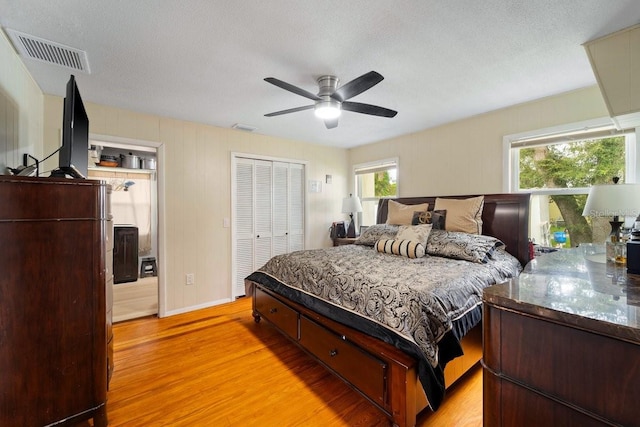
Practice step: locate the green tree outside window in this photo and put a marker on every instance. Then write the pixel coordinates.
(578, 164)
(383, 185)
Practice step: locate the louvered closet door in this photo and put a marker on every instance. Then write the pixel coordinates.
(269, 214)
(263, 212)
(280, 208)
(244, 240)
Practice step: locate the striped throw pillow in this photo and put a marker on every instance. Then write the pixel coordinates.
(406, 248)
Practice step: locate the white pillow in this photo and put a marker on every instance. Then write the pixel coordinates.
(417, 233)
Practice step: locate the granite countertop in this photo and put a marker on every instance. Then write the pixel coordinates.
(576, 287)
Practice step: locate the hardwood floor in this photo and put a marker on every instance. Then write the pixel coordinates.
(217, 367)
(132, 300)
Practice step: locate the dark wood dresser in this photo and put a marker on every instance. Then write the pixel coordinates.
(54, 324)
(562, 344)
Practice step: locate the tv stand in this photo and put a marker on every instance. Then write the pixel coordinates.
(55, 315)
(58, 173)
(66, 173)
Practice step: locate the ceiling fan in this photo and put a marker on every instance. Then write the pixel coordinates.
(331, 99)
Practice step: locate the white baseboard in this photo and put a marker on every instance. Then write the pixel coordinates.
(196, 307)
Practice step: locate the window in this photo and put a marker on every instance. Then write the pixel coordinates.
(373, 181)
(558, 166)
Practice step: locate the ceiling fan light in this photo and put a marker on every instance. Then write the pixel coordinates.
(327, 109)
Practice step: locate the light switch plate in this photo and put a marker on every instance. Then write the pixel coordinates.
(315, 186)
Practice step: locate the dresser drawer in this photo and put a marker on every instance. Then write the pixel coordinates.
(361, 369)
(595, 373)
(277, 313)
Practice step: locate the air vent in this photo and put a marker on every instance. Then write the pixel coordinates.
(50, 52)
(246, 128)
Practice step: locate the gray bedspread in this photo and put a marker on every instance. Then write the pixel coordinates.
(417, 299)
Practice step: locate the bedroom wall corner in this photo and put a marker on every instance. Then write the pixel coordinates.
(21, 109)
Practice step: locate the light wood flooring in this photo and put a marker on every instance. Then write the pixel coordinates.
(217, 367)
(135, 299)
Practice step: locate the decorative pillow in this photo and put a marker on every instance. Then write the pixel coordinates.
(437, 218)
(406, 248)
(375, 232)
(465, 246)
(400, 214)
(415, 233)
(462, 214)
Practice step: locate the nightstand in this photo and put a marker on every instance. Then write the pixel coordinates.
(339, 241)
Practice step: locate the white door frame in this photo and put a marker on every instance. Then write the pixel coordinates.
(116, 141)
(234, 157)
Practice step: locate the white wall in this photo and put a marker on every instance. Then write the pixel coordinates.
(21, 112)
(194, 179)
(465, 157)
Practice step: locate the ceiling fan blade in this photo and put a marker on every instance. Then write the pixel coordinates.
(331, 123)
(357, 86)
(290, 110)
(374, 110)
(292, 88)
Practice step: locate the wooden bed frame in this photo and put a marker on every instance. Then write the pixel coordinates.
(385, 375)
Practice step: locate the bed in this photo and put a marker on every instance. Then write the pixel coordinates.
(392, 325)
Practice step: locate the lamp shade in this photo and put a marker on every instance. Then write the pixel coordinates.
(351, 204)
(613, 200)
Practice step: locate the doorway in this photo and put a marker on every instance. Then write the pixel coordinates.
(131, 168)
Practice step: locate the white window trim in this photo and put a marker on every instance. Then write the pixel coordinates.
(374, 165)
(370, 166)
(510, 160)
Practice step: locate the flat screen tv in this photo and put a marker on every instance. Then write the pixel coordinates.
(73, 155)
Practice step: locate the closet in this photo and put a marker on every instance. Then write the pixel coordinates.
(134, 203)
(268, 213)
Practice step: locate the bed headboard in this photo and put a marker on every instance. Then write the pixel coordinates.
(504, 216)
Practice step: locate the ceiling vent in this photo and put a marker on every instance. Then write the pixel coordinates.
(246, 128)
(50, 52)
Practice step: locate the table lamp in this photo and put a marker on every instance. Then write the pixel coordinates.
(613, 200)
(350, 205)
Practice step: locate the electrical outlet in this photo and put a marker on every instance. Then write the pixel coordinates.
(190, 278)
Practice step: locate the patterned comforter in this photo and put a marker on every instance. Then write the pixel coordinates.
(412, 303)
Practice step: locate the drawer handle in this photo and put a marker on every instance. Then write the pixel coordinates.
(333, 352)
(273, 310)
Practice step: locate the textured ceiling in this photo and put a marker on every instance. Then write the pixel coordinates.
(205, 61)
